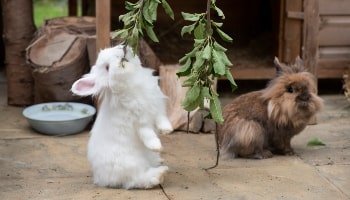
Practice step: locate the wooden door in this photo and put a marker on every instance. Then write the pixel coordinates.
(333, 38)
(319, 32)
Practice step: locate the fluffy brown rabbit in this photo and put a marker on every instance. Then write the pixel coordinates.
(260, 123)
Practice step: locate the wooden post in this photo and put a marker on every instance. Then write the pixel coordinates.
(103, 23)
(72, 8)
(310, 43)
(311, 26)
(18, 31)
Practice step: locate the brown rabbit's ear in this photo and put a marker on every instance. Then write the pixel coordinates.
(278, 66)
(299, 62)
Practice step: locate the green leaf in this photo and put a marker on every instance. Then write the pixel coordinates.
(205, 93)
(185, 69)
(151, 34)
(135, 33)
(189, 82)
(145, 12)
(190, 17)
(223, 35)
(207, 52)
(215, 109)
(198, 63)
(187, 29)
(316, 142)
(219, 66)
(184, 58)
(229, 77)
(198, 42)
(131, 6)
(199, 31)
(152, 10)
(216, 24)
(224, 58)
(219, 69)
(125, 18)
(218, 47)
(192, 98)
(193, 92)
(192, 105)
(122, 33)
(188, 55)
(168, 9)
(219, 12)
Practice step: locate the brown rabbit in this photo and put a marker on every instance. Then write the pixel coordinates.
(263, 122)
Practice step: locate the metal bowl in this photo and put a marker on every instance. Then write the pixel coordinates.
(59, 118)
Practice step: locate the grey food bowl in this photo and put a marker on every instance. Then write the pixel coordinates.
(59, 118)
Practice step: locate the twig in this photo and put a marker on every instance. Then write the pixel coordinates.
(188, 122)
(166, 195)
(217, 148)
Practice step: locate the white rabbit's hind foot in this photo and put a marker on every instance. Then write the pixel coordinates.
(164, 125)
(151, 178)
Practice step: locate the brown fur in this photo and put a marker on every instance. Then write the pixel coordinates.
(263, 122)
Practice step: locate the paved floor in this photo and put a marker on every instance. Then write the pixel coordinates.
(35, 166)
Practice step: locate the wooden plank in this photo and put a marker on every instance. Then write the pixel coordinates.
(332, 68)
(253, 73)
(103, 23)
(310, 33)
(295, 15)
(334, 35)
(335, 52)
(334, 7)
(342, 20)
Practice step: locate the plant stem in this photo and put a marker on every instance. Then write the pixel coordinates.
(208, 24)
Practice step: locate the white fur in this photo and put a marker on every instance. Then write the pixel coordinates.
(123, 149)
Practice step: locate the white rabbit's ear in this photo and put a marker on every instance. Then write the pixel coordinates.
(85, 86)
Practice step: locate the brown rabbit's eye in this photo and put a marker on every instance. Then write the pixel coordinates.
(290, 89)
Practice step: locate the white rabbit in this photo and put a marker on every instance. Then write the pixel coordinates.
(123, 148)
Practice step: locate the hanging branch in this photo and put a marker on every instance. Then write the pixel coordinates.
(204, 63)
(140, 18)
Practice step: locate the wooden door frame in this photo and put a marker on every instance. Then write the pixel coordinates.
(290, 38)
(310, 35)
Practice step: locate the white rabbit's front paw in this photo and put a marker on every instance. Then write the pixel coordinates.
(154, 144)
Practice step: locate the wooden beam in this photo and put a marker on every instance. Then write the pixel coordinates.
(295, 15)
(103, 23)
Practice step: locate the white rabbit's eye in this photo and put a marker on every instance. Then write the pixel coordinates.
(107, 68)
(290, 89)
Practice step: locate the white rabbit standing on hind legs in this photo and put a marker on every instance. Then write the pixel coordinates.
(124, 149)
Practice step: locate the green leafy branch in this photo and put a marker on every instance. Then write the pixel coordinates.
(205, 62)
(140, 18)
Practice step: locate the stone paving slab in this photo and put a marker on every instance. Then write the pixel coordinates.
(35, 166)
